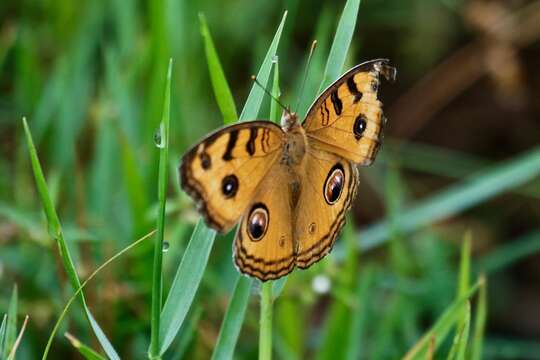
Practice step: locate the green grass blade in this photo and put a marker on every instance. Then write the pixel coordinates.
(11, 326)
(480, 322)
(157, 285)
(87, 352)
(254, 100)
(465, 265)
(359, 316)
(185, 283)
(3, 334)
(442, 326)
(505, 255)
(55, 230)
(459, 346)
(265, 325)
(234, 317)
(341, 43)
(274, 106)
(456, 198)
(190, 271)
(13, 350)
(81, 287)
(221, 88)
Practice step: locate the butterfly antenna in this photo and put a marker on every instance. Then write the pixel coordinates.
(311, 51)
(254, 78)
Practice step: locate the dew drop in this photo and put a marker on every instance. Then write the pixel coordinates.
(165, 246)
(275, 59)
(158, 137)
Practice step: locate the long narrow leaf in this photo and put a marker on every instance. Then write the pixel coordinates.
(490, 183)
(3, 334)
(442, 326)
(87, 352)
(457, 351)
(234, 317)
(221, 88)
(341, 43)
(479, 322)
(11, 326)
(55, 230)
(254, 100)
(157, 286)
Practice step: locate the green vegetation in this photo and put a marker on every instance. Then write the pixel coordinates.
(98, 101)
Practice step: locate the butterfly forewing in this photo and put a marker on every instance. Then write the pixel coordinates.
(347, 118)
(223, 171)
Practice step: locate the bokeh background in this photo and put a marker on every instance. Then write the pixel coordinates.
(89, 76)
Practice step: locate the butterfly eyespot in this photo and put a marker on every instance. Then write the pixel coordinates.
(359, 126)
(312, 228)
(333, 186)
(229, 186)
(206, 162)
(282, 241)
(258, 222)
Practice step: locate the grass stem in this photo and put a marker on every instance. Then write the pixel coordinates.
(265, 330)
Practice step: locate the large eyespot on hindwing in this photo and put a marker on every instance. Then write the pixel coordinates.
(229, 186)
(334, 184)
(258, 221)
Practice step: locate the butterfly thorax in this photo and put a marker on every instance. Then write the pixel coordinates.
(294, 148)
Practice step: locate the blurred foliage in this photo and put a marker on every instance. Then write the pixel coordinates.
(90, 78)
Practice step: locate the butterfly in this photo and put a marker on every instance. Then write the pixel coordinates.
(289, 187)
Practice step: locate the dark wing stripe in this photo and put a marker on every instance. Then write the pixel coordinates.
(351, 85)
(233, 136)
(250, 146)
(338, 105)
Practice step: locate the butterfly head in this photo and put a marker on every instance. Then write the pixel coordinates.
(289, 119)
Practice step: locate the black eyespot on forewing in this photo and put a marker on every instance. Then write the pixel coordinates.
(258, 221)
(229, 186)
(334, 184)
(359, 126)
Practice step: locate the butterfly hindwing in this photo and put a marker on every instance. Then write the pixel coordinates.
(223, 171)
(263, 246)
(328, 190)
(347, 118)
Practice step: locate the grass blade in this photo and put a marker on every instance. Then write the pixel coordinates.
(87, 352)
(3, 334)
(254, 100)
(359, 316)
(18, 340)
(11, 325)
(191, 269)
(80, 288)
(442, 326)
(457, 351)
(480, 322)
(157, 285)
(341, 43)
(55, 230)
(234, 317)
(221, 88)
(265, 329)
(185, 284)
(456, 198)
(465, 265)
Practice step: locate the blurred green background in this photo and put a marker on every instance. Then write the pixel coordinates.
(461, 153)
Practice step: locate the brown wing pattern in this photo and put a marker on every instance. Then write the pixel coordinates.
(347, 118)
(223, 171)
